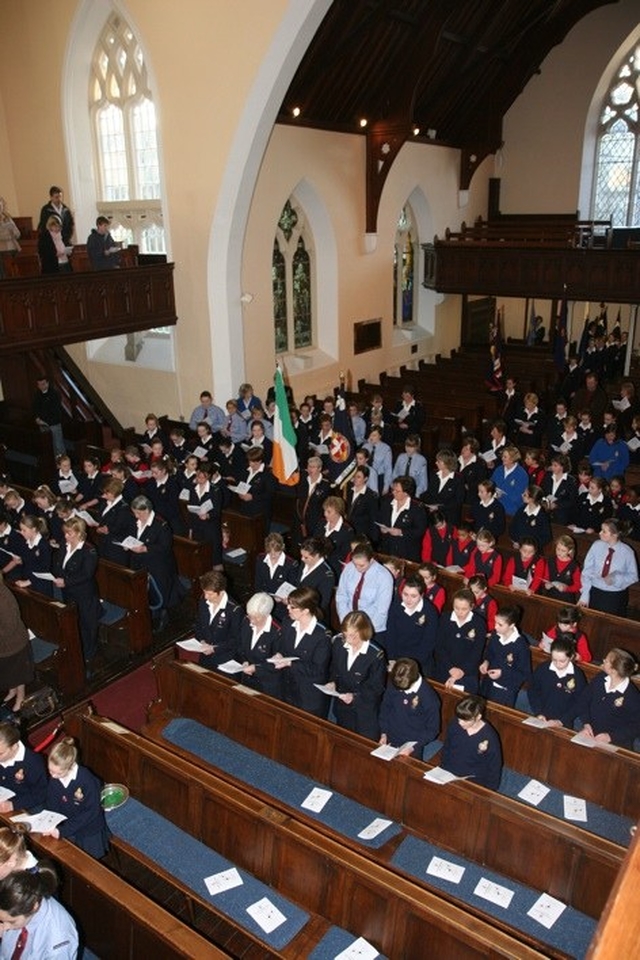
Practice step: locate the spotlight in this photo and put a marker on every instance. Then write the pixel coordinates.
(363, 122)
(296, 111)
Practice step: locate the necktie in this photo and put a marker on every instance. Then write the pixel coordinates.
(407, 469)
(21, 943)
(357, 592)
(606, 566)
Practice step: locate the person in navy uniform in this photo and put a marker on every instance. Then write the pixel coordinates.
(559, 489)
(471, 469)
(155, 555)
(507, 663)
(487, 512)
(403, 521)
(445, 492)
(556, 686)
(531, 520)
(593, 507)
(218, 621)
(472, 747)
(609, 706)
(89, 490)
(362, 505)
(114, 523)
(312, 491)
(409, 416)
(336, 532)
(460, 644)
(410, 709)
(273, 568)
(33, 923)
(233, 463)
(35, 554)
(412, 627)
(257, 501)
(74, 791)
(11, 543)
(21, 770)
(75, 567)
(315, 573)
(207, 499)
(304, 654)
(163, 489)
(258, 641)
(358, 674)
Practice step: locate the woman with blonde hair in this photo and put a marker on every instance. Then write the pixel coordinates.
(75, 565)
(75, 791)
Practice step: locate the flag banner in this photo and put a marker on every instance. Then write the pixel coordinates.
(284, 463)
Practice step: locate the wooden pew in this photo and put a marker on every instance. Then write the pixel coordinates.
(128, 589)
(609, 779)
(485, 827)
(333, 883)
(192, 559)
(29, 452)
(114, 919)
(58, 624)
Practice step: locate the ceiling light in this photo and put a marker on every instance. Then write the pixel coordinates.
(296, 111)
(363, 122)
(416, 131)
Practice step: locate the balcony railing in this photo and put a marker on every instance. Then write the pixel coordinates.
(52, 310)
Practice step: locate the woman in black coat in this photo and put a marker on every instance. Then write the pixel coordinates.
(75, 566)
(258, 641)
(304, 654)
(207, 499)
(362, 505)
(315, 573)
(358, 675)
(114, 523)
(155, 555)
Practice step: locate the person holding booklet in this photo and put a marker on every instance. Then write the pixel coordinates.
(74, 791)
(472, 747)
(410, 710)
(34, 569)
(304, 654)
(257, 644)
(507, 663)
(75, 567)
(22, 771)
(555, 686)
(357, 676)
(207, 498)
(609, 706)
(217, 621)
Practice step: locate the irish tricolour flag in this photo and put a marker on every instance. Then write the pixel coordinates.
(284, 463)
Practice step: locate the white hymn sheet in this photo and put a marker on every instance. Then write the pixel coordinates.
(519, 583)
(325, 688)
(445, 870)
(129, 543)
(536, 722)
(633, 444)
(440, 775)
(387, 752)
(494, 892)
(241, 487)
(575, 808)
(546, 910)
(534, 792)
(374, 828)
(284, 590)
(360, 949)
(316, 800)
(266, 914)
(43, 576)
(231, 666)
(184, 494)
(200, 508)
(225, 880)
(201, 453)
(6, 794)
(190, 644)
(88, 519)
(584, 740)
(41, 822)
(67, 486)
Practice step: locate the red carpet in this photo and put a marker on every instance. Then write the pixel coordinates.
(127, 699)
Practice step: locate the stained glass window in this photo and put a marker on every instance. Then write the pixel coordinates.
(404, 268)
(292, 281)
(127, 159)
(617, 174)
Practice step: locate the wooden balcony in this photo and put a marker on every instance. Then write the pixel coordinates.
(494, 268)
(53, 310)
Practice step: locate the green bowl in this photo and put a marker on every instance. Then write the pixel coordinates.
(113, 795)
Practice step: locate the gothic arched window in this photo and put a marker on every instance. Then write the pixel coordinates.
(125, 142)
(616, 191)
(404, 268)
(292, 281)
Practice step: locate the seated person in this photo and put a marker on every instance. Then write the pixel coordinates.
(567, 627)
(410, 710)
(555, 686)
(524, 572)
(507, 663)
(561, 577)
(609, 706)
(485, 559)
(471, 746)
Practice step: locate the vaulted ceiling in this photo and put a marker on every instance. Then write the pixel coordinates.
(442, 70)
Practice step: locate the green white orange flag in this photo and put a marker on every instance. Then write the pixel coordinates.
(284, 463)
